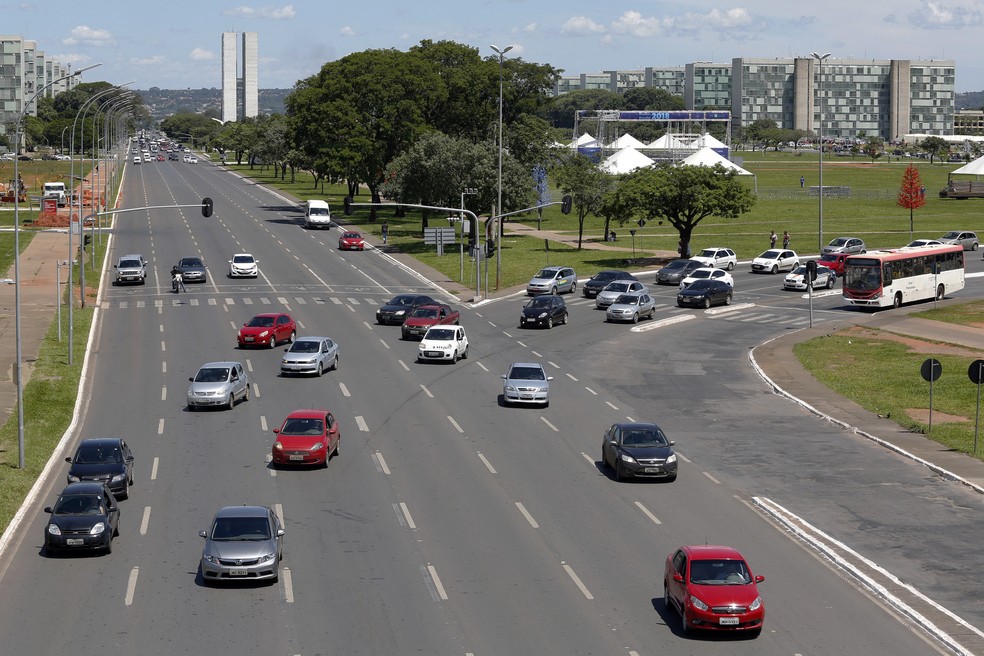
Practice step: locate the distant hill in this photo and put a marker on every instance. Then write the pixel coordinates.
(970, 100)
(162, 103)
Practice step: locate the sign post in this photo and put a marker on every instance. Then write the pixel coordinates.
(976, 373)
(811, 275)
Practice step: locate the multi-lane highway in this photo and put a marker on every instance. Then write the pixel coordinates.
(449, 524)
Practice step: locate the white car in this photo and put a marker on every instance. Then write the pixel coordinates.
(243, 265)
(775, 259)
(185, 158)
(796, 279)
(708, 273)
(720, 258)
(923, 242)
(443, 343)
(615, 289)
(193, 160)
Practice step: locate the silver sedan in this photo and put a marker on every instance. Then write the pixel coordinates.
(218, 384)
(527, 383)
(310, 355)
(631, 307)
(244, 543)
(615, 289)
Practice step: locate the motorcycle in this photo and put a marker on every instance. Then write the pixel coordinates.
(175, 282)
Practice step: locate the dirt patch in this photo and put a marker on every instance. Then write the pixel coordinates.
(922, 416)
(915, 345)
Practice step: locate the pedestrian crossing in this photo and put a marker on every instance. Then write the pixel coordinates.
(746, 313)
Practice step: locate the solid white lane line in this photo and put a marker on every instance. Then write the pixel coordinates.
(288, 586)
(588, 458)
(682, 457)
(437, 583)
(527, 515)
(714, 480)
(591, 390)
(344, 389)
(577, 581)
(160, 426)
(263, 424)
(426, 391)
(145, 521)
(278, 508)
(164, 393)
(404, 365)
(361, 423)
(153, 469)
(556, 430)
(485, 461)
(647, 512)
(572, 377)
(455, 424)
(611, 405)
(406, 515)
(131, 586)
(381, 463)
(484, 368)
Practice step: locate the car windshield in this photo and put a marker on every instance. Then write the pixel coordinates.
(708, 252)
(769, 255)
(627, 299)
(719, 572)
(617, 287)
(644, 437)
(838, 242)
(602, 276)
(829, 257)
(90, 454)
(241, 528)
(527, 373)
(702, 285)
(134, 264)
(546, 273)
(260, 322)
(352, 235)
(402, 300)
(305, 346)
(539, 303)
(425, 313)
(242, 259)
(701, 273)
(303, 426)
(212, 375)
(676, 264)
(950, 235)
(800, 270)
(190, 262)
(78, 504)
(440, 334)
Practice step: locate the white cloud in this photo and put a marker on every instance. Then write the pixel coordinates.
(528, 29)
(937, 15)
(581, 25)
(201, 54)
(633, 23)
(346, 31)
(83, 35)
(287, 11)
(156, 60)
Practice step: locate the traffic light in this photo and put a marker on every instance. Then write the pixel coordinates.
(207, 207)
(565, 204)
(347, 206)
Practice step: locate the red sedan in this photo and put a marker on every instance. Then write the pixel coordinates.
(267, 330)
(712, 588)
(307, 437)
(351, 241)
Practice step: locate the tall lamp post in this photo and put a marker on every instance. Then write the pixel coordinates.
(820, 59)
(17, 312)
(498, 206)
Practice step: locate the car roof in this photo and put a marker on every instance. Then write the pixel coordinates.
(101, 441)
(131, 255)
(84, 487)
(227, 363)
(242, 511)
(308, 413)
(702, 551)
(715, 248)
(239, 254)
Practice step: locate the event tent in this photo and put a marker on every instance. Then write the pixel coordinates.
(626, 141)
(625, 161)
(708, 157)
(972, 168)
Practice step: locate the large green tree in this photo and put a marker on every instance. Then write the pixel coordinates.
(472, 87)
(935, 146)
(686, 195)
(587, 184)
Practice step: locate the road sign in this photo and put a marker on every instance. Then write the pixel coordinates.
(931, 370)
(976, 372)
(434, 236)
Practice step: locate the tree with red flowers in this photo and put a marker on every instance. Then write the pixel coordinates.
(912, 195)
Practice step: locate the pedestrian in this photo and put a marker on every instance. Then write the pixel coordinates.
(772, 239)
(385, 229)
(785, 239)
(802, 182)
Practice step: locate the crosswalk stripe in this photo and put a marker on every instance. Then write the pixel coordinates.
(264, 300)
(247, 301)
(352, 301)
(300, 300)
(230, 301)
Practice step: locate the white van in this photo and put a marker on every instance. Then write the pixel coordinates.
(55, 189)
(317, 214)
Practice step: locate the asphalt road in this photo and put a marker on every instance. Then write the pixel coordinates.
(449, 524)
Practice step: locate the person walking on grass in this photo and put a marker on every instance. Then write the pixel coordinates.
(785, 239)
(772, 239)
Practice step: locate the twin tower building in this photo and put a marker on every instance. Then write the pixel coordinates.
(240, 93)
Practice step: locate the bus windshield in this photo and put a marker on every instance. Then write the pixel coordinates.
(863, 278)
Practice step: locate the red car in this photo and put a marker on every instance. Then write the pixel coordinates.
(308, 437)
(267, 330)
(423, 317)
(712, 588)
(351, 241)
(834, 262)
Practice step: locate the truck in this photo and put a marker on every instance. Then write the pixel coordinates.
(55, 189)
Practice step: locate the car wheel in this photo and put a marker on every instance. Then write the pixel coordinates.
(652, 313)
(707, 303)
(553, 290)
(775, 269)
(727, 299)
(109, 545)
(940, 293)
(464, 354)
(830, 282)
(667, 602)
(635, 318)
(116, 532)
(618, 471)
(573, 287)
(454, 357)
(292, 337)
(973, 246)
(191, 408)
(670, 479)
(246, 393)
(125, 494)
(564, 319)
(334, 363)
(232, 401)
(321, 370)
(273, 341)
(549, 322)
(731, 266)
(687, 629)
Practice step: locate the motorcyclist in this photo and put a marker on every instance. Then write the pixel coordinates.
(177, 280)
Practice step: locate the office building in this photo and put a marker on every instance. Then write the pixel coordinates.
(240, 93)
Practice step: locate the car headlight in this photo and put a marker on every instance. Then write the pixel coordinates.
(541, 315)
(264, 333)
(97, 529)
(697, 603)
(400, 313)
(278, 446)
(318, 446)
(627, 458)
(671, 459)
(266, 558)
(209, 558)
(118, 478)
(73, 479)
(53, 529)
(755, 605)
(510, 388)
(285, 361)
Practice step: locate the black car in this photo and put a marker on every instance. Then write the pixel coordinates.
(192, 269)
(544, 310)
(676, 270)
(104, 460)
(399, 307)
(638, 450)
(86, 516)
(598, 281)
(705, 293)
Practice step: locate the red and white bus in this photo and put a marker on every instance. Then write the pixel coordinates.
(879, 279)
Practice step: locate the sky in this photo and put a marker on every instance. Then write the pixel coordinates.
(177, 44)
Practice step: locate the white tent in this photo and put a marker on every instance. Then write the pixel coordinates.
(707, 157)
(626, 141)
(625, 161)
(972, 168)
(670, 142)
(585, 141)
(708, 140)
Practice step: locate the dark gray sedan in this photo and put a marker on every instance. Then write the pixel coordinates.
(638, 449)
(310, 355)
(677, 270)
(245, 543)
(192, 269)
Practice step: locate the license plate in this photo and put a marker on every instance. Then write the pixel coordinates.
(528, 397)
(237, 572)
(247, 339)
(653, 470)
(295, 457)
(728, 621)
(74, 542)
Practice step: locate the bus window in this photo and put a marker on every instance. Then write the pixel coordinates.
(887, 275)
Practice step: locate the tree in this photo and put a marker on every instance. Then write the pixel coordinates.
(912, 194)
(560, 110)
(685, 195)
(874, 148)
(652, 99)
(472, 87)
(935, 146)
(586, 183)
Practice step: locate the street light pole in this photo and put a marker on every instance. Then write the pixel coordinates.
(820, 59)
(17, 312)
(498, 206)
(468, 191)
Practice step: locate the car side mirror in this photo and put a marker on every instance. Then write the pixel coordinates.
(759, 579)
(203, 534)
(503, 376)
(48, 509)
(190, 379)
(230, 261)
(550, 377)
(678, 577)
(672, 442)
(68, 460)
(280, 532)
(287, 349)
(276, 431)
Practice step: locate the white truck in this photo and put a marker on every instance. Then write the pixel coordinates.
(56, 189)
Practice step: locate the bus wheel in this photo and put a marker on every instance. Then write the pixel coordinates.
(897, 303)
(939, 293)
